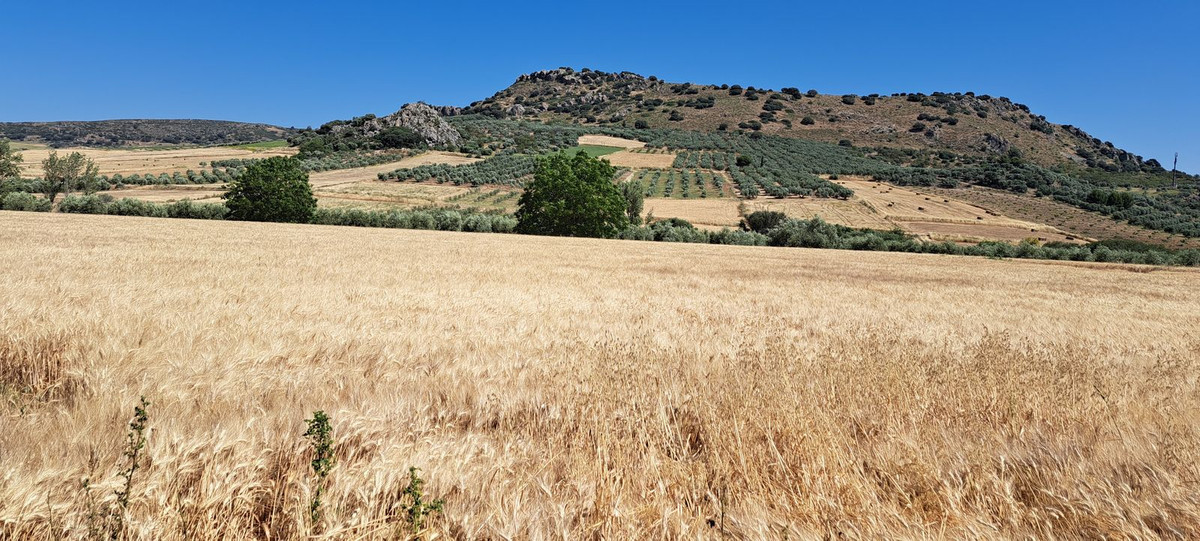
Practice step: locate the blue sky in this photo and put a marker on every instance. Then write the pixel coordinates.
(1125, 72)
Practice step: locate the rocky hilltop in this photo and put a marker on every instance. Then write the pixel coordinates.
(967, 123)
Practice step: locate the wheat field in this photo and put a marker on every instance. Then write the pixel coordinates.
(576, 388)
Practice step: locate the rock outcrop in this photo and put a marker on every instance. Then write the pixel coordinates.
(423, 119)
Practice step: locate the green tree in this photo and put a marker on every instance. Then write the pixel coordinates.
(572, 197)
(635, 197)
(400, 137)
(10, 161)
(61, 173)
(271, 190)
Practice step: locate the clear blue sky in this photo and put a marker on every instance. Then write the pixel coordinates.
(1128, 72)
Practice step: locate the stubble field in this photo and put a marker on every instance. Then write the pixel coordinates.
(577, 388)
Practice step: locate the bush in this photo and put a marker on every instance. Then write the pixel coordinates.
(272, 190)
(738, 237)
(197, 211)
(641, 124)
(849, 99)
(135, 207)
(85, 204)
(25, 202)
(808, 121)
(763, 220)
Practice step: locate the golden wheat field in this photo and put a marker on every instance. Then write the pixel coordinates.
(147, 161)
(555, 388)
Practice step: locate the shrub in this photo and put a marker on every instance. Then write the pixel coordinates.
(808, 121)
(25, 202)
(422, 220)
(135, 207)
(812, 93)
(641, 124)
(85, 204)
(763, 220)
(849, 99)
(478, 223)
(738, 237)
(448, 220)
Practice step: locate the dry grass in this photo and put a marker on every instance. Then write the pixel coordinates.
(139, 161)
(570, 388)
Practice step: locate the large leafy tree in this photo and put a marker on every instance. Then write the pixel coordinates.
(272, 190)
(61, 173)
(572, 196)
(10, 161)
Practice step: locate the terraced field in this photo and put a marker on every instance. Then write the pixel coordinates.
(1064, 216)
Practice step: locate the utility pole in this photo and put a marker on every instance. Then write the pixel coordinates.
(1174, 168)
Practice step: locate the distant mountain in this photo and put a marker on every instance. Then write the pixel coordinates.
(964, 123)
(141, 132)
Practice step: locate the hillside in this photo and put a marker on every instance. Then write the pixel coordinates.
(964, 123)
(141, 132)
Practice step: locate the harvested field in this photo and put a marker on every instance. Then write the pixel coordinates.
(972, 233)
(142, 161)
(389, 195)
(324, 179)
(875, 206)
(705, 213)
(1064, 217)
(609, 141)
(166, 194)
(639, 160)
(580, 388)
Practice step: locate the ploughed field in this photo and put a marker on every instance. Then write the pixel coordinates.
(575, 388)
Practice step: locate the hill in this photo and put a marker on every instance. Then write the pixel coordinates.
(583, 388)
(141, 132)
(965, 123)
